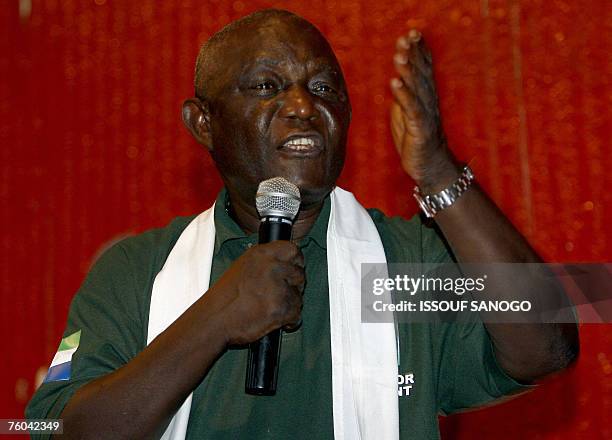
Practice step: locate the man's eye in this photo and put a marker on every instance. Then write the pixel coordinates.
(266, 85)
(322, 88)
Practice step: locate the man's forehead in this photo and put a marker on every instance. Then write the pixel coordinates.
(282, 60)
(275, 38)
(284, 40)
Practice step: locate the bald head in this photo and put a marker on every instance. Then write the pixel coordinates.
(210, 62)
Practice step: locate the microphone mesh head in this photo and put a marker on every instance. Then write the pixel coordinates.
(277, 197)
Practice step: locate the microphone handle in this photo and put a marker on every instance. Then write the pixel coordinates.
(264, 354)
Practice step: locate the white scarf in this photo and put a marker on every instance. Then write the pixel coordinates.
(364, 355)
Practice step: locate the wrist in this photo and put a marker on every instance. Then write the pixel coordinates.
(440, 174)
(213, 332)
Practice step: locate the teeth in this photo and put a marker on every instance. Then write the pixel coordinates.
(300, 144)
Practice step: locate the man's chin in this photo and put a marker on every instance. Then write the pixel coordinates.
(313, 196)
(313, 186)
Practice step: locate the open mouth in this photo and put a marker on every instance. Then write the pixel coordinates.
(302, 145)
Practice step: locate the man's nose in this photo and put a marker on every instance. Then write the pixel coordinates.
(299, 105)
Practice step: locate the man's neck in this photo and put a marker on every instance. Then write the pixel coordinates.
(246, 216)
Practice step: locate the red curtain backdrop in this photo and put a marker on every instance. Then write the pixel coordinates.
(93, 148)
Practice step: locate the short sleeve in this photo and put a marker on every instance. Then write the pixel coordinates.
(106, 312)
(470, 375)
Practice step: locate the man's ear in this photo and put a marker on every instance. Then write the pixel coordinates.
(196, 117)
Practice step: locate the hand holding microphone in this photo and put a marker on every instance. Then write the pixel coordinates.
(278, 202)
(261, 291)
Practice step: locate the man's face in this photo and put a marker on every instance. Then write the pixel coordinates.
(279, 108)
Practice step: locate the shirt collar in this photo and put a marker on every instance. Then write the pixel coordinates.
(228, 230)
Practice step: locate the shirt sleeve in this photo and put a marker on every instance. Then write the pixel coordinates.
(106, 311)
(468, 373)
(470, 376)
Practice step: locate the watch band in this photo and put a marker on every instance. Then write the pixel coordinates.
(434, 203)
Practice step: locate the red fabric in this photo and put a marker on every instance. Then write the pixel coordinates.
(93, 148)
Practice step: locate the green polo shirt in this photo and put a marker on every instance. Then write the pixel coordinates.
(451, 366)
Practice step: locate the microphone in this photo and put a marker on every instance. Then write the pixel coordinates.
(277, 202)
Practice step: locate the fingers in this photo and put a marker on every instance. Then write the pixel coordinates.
(295, 279)
(285, 251)
(414, 50)
(294, 276)
(418, 85)
(413, 64)
(405, 97)
(290, 328)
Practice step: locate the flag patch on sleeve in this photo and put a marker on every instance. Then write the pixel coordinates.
(60, 365)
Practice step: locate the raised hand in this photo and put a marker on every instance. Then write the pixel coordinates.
(416, 125)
